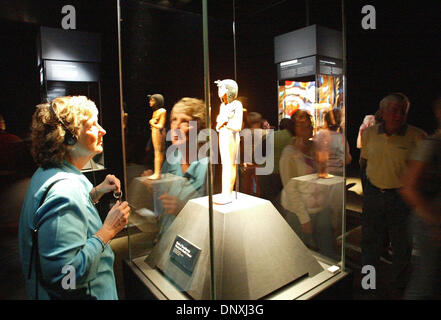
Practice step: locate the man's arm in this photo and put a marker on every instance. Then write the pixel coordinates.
(412, 195)
(364, 149)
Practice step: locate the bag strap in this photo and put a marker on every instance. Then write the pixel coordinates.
(34, 247)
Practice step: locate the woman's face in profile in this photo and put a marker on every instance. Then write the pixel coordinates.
(91, 135)
(180, 127)
(303, 125)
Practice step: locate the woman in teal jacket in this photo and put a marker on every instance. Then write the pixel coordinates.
(63, 244)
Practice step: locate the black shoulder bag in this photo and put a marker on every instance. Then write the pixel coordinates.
(68, 294)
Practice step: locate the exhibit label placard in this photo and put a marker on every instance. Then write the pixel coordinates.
(184, 254)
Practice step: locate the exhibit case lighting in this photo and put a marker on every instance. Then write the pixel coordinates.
(315, 81)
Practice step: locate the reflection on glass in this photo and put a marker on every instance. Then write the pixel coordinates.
(330, 143)
(191, 171)
(183, 176)
(172, 210)
(251, 139)
(295, 95)
(311, 205)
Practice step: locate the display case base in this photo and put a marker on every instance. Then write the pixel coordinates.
(255, 250)
(257, 255)
(139, 285)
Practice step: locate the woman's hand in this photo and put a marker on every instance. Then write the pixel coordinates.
(307, 228)
(307, 237)
(147, 173)
(116, 220)
(110, 183)
(171, 204)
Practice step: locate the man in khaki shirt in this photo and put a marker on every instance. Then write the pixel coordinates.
(386, 148)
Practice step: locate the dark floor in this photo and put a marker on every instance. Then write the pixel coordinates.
(12, 285)
(384, 290)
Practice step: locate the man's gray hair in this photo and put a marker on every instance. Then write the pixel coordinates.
(396, 97)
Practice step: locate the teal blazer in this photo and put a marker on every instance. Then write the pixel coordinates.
(67, 221)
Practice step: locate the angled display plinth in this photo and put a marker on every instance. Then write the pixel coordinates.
(256, 252)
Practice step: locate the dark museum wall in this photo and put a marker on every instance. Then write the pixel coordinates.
(402, 54)
(20, 23)
(162, 52)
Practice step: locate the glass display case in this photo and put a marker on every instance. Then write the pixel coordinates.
(280, 233)
(302, 95)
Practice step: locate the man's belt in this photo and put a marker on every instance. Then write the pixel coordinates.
(393, 190)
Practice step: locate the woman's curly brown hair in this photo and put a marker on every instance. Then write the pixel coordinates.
(47, 134)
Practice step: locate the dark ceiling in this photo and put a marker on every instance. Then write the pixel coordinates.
(32, 11)
(298, 12)
(20, 11)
